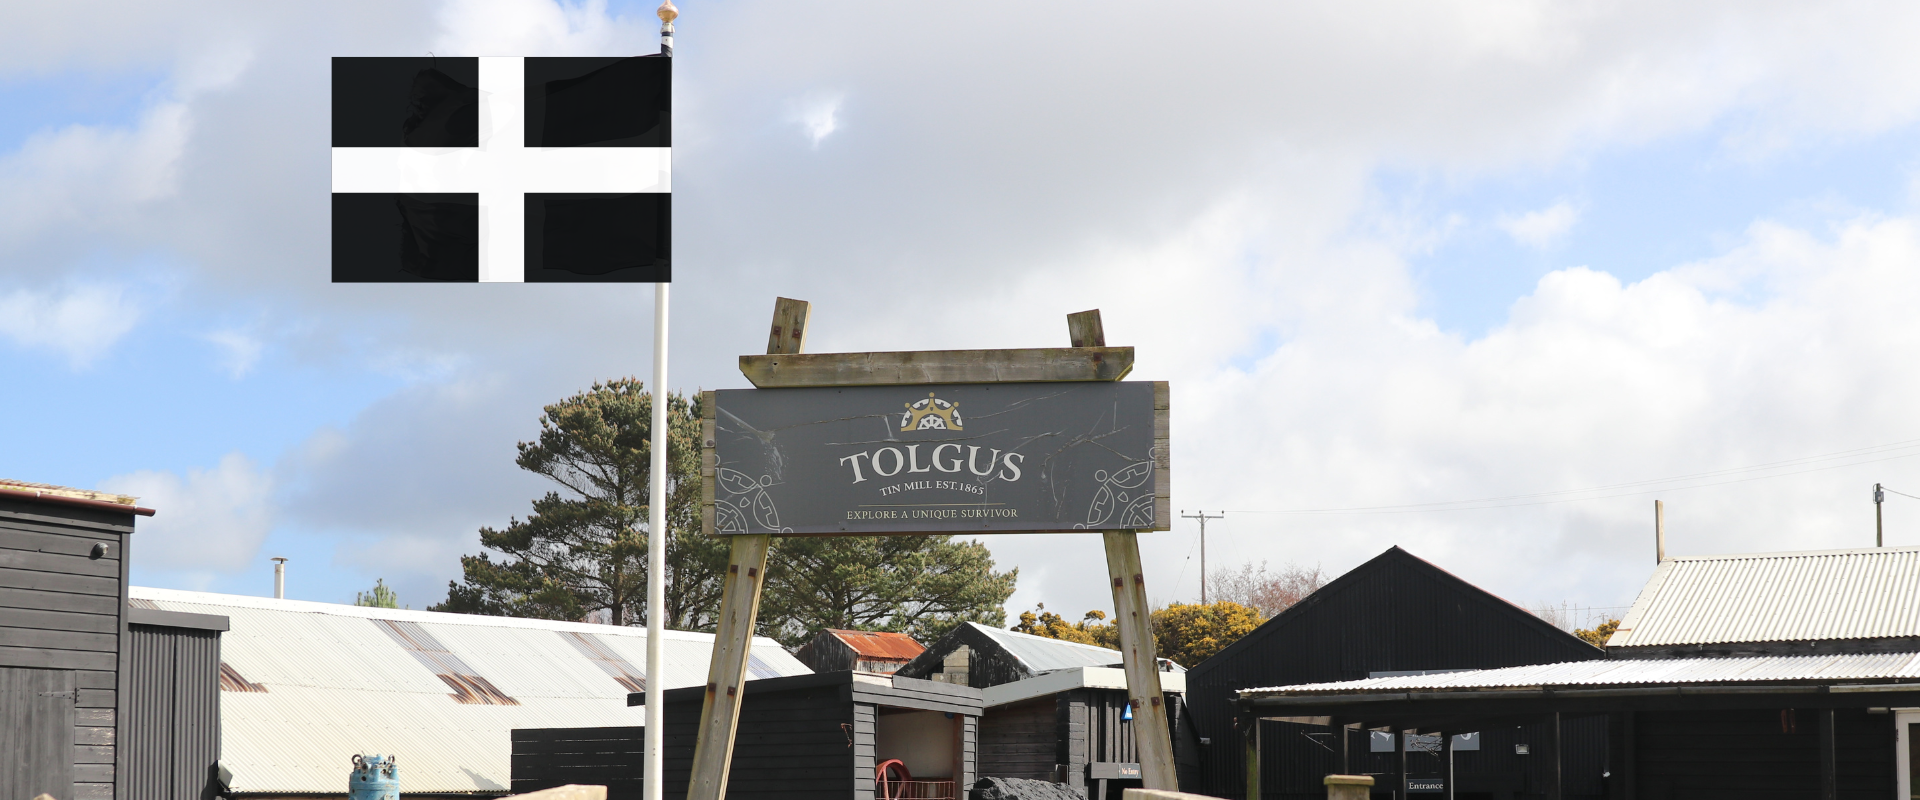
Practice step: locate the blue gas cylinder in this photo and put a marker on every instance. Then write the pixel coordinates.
(374, 778)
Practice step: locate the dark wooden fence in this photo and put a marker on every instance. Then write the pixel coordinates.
(547, 757)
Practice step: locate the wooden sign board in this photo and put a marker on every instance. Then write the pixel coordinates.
(1040, 457)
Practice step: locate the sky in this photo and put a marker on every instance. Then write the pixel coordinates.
(1557, 259)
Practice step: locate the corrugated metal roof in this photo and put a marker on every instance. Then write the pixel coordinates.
(1623, 671)
(1777, 597)
(1041, 654)
(338, 683)
(880, 646)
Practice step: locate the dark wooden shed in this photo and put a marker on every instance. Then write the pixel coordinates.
(861, 651)
(1394, 614)
(172, 743)
(63, 640)
(804, 737)
(1056, 710)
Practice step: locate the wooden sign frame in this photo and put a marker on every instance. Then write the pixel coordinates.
(1089, 359)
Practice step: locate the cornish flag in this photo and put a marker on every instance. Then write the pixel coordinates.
(502, 169)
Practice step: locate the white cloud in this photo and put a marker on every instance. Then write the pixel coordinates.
(87, 179)
(80, 323)
(239, 351)
(1540, 228)
(818, 117)
(208, 521)
(531, 28)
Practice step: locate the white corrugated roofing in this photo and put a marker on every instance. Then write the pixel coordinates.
(1041, 654)
(1622, 671)
(337, 683)
(1777, 597)
(1063, 680)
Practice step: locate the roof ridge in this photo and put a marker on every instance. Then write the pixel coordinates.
(1854, 551)
(406, 615)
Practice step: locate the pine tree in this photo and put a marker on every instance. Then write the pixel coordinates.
(379, 597)
(923, 586)
(582, 553)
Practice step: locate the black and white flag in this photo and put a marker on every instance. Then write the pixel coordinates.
(502, 169)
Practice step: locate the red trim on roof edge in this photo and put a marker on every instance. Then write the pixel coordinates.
(31, 494)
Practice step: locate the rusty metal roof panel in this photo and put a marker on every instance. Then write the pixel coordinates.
(1775, 597)
(879, 645)
(338, 680)
(1624, 672)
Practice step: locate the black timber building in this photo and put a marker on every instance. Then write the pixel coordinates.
(1394, 614)
(63, 640)
(1055, 710)
(1753, 676)
(801, 737)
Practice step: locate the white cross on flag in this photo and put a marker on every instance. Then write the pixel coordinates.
(502, 169)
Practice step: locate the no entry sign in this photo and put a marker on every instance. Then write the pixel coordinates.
(1004, 458)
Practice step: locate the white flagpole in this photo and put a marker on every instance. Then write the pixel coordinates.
(657, 552)
(652, 776)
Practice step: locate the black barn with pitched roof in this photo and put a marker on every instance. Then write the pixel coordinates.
(1395, 613)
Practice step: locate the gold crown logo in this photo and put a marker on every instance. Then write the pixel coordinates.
(931, 414)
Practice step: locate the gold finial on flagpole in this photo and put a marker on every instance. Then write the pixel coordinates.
(667, 14)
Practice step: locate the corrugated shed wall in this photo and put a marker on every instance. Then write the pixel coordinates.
(172, 738)
(1395, 612)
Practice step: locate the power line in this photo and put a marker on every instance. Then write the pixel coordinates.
(1559, 496)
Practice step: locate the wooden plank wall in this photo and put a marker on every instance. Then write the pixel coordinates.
(803, 745)
(864, 743)
(61, 609)
(173, 711)
(1759, 754)
(547, 757)
(1017, 740)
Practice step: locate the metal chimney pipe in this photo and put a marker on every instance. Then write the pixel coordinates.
(1659, 532)
(279, 577)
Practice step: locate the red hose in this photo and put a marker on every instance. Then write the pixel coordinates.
(880, 777)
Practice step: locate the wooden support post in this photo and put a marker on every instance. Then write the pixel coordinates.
(1629, 760)
(1829, 763)
(1346, 747)
(1446, 757)
(1084, 329)
(1130, 614)
(1399, 762)
(726, 676)
(739, 611)
(1252, 736)
(1556, 782)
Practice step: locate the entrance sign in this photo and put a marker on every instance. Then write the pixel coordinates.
(946, 458)
(502, 169)
(931, 442)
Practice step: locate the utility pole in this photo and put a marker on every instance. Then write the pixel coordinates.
(1202, 516)
(1879, 532)
(1659, 532)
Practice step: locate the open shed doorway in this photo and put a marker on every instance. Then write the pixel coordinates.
(930, 745)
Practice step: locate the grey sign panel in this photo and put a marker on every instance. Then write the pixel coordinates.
(957, 458)
(1382, 742)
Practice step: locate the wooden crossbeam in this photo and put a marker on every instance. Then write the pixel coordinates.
(1035, 365)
